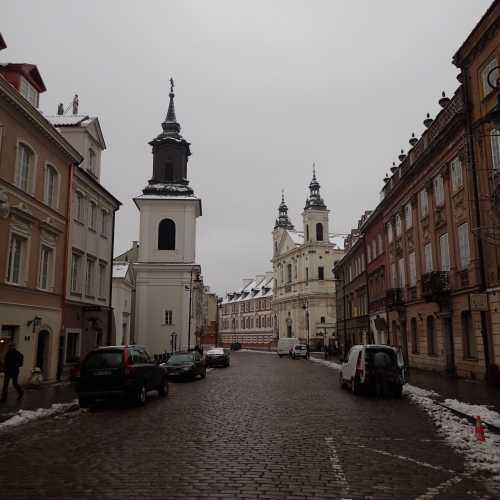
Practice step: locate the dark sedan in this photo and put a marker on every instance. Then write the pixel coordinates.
(186, 365)
(217, 357)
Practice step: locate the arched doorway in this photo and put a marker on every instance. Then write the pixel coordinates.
(42, 352)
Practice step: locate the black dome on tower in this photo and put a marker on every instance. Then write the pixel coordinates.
(314, 200)
(283, 221)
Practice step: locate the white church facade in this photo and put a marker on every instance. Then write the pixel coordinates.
(166, 272)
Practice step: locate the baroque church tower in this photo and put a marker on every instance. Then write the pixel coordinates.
(315, 215)
(166, 265)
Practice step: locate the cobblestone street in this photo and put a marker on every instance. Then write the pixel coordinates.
(264, 428)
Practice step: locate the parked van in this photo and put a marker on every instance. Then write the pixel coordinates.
(285, 344)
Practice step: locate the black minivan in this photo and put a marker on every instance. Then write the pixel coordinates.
(119, 371)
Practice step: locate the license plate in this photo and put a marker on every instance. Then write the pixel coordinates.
(103, 372)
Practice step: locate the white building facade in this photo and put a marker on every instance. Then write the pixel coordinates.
(304, 285)
(166, 273)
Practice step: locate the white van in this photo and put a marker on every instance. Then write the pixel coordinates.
(285, 344)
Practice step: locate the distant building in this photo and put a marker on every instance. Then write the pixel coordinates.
(246, 315)
(304, 284)
(123, 302)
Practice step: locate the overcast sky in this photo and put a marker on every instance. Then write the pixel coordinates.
(263, 89)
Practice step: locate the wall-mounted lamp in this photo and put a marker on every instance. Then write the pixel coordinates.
(36, 322)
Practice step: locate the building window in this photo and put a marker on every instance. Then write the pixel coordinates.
(431, 336)
(393, 275)
(495, 148)
(104, 222)
(456, 172)
(368, 253)
(93, 216)
(289, 273)
(428, 257)
(17, 255)
(28, 92)
(424, 203)
(76, 264)
(380, 244)
(439, 191)
(79, 207)
(412, 269)
(166, 235)
(402, 274)
(445, 252)
(72, 347)
(319, 232)
(487, 88)
(307, 232)
(89, 278)
(414, 335)
(50, 186)
(46, 266)
(374, 249)
(92, 162)
(398, 226)
(25, 167)
(307, 274)
(408, 216)
(463, 244)
(321, 273)
(390, 234)
(469, 338)
(102, 279)
(168, 317)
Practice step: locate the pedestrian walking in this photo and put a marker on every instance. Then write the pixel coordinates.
(325, 351)
(11, 365)
(308, 351)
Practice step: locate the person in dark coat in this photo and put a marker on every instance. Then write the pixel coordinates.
(11, 365)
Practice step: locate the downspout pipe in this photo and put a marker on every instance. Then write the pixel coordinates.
(110, 307)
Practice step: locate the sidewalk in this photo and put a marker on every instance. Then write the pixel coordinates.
(42, 397)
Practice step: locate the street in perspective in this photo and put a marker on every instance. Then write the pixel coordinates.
(177, 322)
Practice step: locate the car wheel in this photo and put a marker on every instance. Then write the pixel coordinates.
(355, 386)
(398, 391)
(341, 381)
(163, 389)
(140, 396)
(84, 402)
(204, 373)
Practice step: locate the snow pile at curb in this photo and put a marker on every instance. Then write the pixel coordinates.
(487, 415)
(324, 362)
(480, 457)
(25, 416)
(257, 351)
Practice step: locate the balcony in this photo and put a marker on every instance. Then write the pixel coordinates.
(435, 287)
(394, 298)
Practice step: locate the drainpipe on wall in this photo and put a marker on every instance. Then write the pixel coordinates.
(110, 308)
(482, 285)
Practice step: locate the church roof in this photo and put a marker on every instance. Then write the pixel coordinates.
(258, 288)
(120, 269)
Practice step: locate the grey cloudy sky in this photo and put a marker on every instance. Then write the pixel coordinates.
(263, 89)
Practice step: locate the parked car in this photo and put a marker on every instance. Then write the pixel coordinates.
(299, 351)
(375, 367)
(217, 357)
(186, 365)
(285, 344)
(119, 371)
(235, 346)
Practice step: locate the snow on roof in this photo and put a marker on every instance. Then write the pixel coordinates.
(297, 237)
(337, 240)
(69, 120)
(120, 269)
(164, 196)
(261, 286)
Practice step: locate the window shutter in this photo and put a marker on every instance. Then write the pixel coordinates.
(445, 252)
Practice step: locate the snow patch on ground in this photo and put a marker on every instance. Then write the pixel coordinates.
(25, 416)
(480, 457)
(324, 362)
(256, 350)
(487, 415)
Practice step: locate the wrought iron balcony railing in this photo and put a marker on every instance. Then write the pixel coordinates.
(435, 286)
(394, 298)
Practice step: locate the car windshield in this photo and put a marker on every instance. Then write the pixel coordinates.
(103, 359)
(300, 347)
(179, 359)
(215, 351)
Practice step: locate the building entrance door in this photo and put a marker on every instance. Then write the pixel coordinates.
(449, 346)
(42, 352)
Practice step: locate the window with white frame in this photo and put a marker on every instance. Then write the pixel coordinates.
(76, 265)
(463, 245)
(72, 346)
(89, 278)
(93, 216)
(102, 279)
(408, 216)
(79, 206)
(445, 252)
(28, 91)
(399, 226)
(424, 203)
(402, 273)
(428, 257)
(46, 268)
(390, 234)
(50, 186)
(456, 172)
(412, 267)
(104, 222)
(439, 191)
(25, 167)
(17, 256)
(374, 249)
(495, 148)
(168, 317)
(487, 88)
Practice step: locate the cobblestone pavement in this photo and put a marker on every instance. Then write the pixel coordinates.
(264, 428)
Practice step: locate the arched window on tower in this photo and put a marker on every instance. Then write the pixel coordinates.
(319, 231)
(166, 235)
(307, 232)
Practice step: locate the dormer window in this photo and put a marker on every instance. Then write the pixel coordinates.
(29, 92)
(92, 162)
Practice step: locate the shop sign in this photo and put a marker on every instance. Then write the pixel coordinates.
(478, 302)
